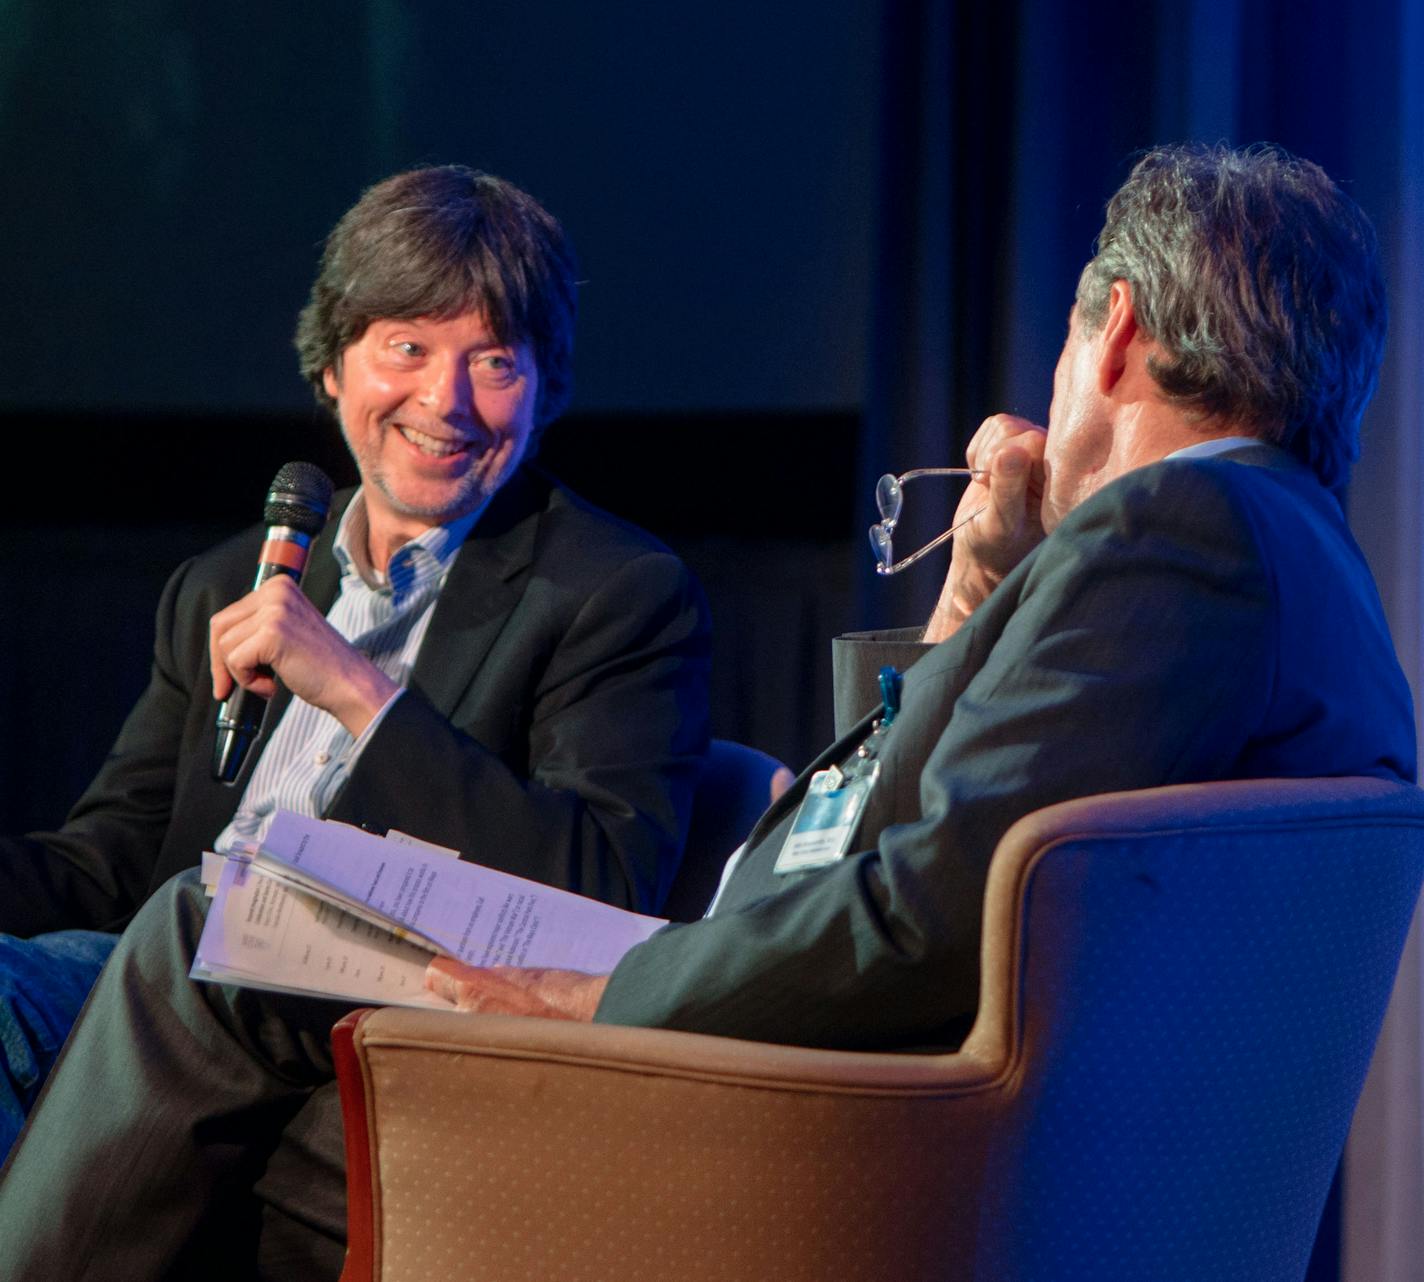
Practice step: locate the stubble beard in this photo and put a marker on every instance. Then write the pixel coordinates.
(469, 495)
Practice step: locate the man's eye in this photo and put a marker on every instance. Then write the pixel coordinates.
(496, 369)
(405, 347)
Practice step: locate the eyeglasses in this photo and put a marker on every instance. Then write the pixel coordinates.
(890, 499)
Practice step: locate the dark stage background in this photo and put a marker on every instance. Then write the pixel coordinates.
(821, 240)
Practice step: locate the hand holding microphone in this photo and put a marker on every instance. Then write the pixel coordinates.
(295, 511)
(274, 633)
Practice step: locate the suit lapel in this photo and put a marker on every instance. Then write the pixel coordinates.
(481, 591)
(958, 659)
(794, 795)
(323, 576)
(952, 653)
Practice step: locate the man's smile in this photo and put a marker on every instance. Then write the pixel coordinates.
(441, 446)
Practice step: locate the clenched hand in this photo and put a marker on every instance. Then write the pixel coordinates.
(275, 632)
(1009, 451)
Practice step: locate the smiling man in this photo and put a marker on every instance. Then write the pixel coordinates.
(438, 413)
(476, 657)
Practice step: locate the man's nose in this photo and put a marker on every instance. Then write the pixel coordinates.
(448, 391)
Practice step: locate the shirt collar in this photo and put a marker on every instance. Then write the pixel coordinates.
(427, 555)
(1217, 445)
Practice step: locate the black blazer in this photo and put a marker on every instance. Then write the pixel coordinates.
(1194, 620)
(553, 726)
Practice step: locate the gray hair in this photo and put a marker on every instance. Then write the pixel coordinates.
(1260, 281)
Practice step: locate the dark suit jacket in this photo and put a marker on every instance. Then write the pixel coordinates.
(553, 727)
(1194, 620)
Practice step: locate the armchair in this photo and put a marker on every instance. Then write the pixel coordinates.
(1181, 990)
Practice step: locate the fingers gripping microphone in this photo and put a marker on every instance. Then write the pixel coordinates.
(296, 508)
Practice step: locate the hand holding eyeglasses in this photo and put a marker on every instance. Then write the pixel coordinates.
(998, 517)
(890, 500)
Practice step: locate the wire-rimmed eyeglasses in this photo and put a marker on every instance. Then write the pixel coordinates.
(890, 499)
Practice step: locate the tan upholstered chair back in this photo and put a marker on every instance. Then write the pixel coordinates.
(1181, 991)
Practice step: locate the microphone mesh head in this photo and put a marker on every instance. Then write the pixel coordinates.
(299, 497)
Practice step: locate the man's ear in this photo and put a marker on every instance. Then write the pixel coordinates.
(1115, 337)
(330, 381)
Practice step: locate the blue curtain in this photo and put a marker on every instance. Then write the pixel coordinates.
(1004, 128)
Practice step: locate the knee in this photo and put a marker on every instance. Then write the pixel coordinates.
(168, 924)
(181, 898)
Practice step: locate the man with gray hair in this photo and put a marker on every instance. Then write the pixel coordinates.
(1160, 588)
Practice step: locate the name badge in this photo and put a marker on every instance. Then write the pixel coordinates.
(827, 819)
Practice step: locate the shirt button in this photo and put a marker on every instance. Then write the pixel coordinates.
(322, 758)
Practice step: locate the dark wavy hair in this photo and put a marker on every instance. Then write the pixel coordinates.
(445, 241)
(1260, 280)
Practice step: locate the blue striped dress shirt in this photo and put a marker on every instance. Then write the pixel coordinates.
(385, 617)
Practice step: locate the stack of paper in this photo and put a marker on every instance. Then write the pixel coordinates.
(331, 911)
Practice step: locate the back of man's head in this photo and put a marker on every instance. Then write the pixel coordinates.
(1259, 280)
(445, 241)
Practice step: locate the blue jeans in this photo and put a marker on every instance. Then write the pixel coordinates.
(43, 984)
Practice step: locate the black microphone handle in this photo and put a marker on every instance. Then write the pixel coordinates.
(239, 721)
(240, 716)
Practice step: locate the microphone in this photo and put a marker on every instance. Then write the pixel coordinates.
(297, 503)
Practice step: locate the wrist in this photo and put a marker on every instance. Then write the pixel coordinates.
(963, 594)
(590, 997)
(363, 699)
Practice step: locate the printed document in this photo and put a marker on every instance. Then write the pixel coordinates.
(329, 910)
